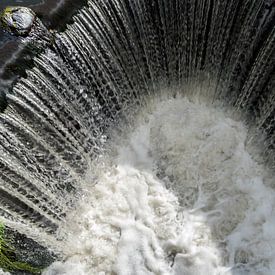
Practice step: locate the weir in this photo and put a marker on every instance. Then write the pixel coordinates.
(92, 79)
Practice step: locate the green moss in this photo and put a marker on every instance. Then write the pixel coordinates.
(7, 12)
(6, 261)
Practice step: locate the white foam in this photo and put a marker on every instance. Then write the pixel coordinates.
(3, 272)
(182, 196)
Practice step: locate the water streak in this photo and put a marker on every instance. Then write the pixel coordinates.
(116, 56)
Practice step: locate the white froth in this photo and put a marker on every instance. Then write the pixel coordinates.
(3, 272)
(182, 196)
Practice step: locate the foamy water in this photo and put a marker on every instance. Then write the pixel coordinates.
(180, 195)
(3, 272)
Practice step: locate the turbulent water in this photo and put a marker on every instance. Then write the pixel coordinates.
(182, 194)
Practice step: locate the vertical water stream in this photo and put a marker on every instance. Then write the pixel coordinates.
(116, 57)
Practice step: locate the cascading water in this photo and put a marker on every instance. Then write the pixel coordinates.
(131, 145)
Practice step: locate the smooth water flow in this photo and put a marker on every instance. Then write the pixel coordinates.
(188, 191)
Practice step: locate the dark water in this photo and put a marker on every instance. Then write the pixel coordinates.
(12, 63)
(20, 2)
(14, 60)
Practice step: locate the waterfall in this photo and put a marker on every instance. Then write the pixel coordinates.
(115, 58)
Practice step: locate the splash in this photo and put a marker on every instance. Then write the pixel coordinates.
(114, 57)
(178, 195)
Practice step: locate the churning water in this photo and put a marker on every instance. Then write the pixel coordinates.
(128, 148)
(180, 195)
